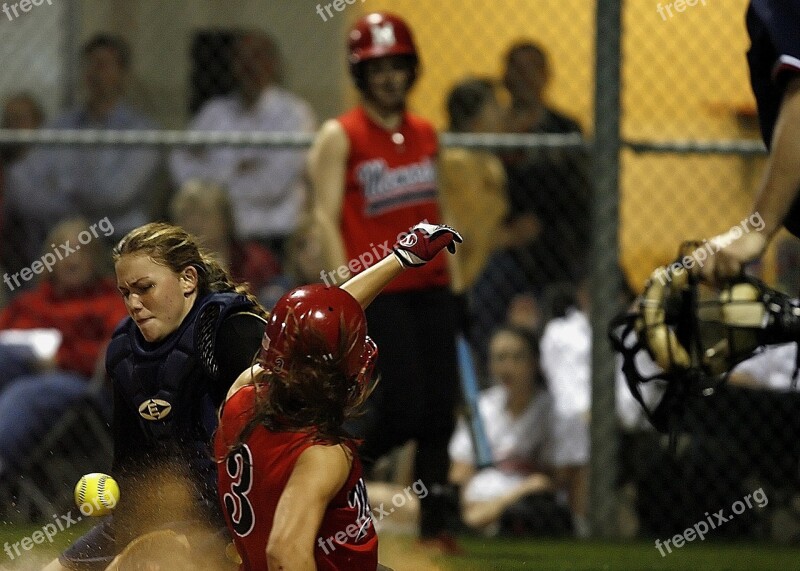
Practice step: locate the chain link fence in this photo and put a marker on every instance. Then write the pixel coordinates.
(660, 144)
(687, 99)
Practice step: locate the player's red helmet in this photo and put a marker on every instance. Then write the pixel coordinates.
(380, 34)
(323, 321)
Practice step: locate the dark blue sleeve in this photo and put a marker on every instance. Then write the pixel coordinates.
(238, 342)
(774, 55)
(781, 19)
(774, 59)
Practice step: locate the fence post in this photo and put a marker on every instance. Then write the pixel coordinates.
(605, 278)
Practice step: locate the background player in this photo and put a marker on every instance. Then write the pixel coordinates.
(774, 59)
(189, 334)
(289, 476)
(373, 172)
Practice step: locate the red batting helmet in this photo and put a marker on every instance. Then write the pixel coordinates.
(323, 321)
(380, 34)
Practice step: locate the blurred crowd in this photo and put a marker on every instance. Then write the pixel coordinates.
(520, 277)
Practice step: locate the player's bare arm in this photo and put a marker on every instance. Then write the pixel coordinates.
(327, 164)
(778, 190)
(244, 379)
(320, 472)
(419, 247)
(366, 286)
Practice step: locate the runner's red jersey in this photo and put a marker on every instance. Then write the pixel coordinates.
(390, 185)
(252, 479)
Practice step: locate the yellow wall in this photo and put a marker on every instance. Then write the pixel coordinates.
(458, 38)
(682, 78)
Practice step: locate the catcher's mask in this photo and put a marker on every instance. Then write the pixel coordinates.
(697, 333)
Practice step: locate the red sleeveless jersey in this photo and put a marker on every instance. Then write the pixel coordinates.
(390, 185)
(252, 479)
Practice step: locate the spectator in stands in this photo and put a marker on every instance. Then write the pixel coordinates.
(305, 259)
(265, 185)
(20, 111)
(472, 185)
(771, 369)
(473, 197)
(203, 209)
(84, 307)
(515, 495)
(524, 311)
(472, 189)
(566, 349)
(53, 183)
(551, 184)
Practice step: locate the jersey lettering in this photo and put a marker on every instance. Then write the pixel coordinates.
(240, 470)
(357, 499)
(388, 188)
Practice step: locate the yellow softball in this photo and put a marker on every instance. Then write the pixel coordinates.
(96, 494)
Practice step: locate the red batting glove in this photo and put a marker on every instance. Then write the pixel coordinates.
(424, 242)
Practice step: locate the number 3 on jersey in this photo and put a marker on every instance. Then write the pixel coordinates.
(240, 470)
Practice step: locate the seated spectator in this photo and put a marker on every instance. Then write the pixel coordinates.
(265, 185)
(514, 496)
(772, 369)
(84, 307)
(53, 183)
(20, 111)
(566, 351)
(204, 210)
(566, 357)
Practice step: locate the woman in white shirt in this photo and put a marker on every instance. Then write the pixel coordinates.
(513, 496)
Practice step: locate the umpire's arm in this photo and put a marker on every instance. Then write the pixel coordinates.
(778, 190)
(782, 178)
